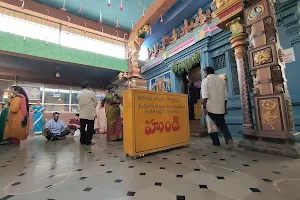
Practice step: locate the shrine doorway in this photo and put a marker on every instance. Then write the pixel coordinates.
(191, 85)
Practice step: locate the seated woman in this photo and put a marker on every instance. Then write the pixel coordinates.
(55, 129)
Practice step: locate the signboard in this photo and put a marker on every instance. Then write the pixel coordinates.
(154, 121)
(161, 83)
(289, 55)
(57, 95)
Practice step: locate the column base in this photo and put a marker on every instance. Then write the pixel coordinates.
(197, 130)
(255, 141)
(286, 150)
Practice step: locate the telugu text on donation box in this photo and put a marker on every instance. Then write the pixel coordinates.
(161, 120)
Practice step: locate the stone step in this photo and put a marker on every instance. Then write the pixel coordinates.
(196, 129)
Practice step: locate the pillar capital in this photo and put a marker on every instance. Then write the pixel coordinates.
(238, 37)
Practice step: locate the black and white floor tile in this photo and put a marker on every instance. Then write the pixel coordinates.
(64, 170)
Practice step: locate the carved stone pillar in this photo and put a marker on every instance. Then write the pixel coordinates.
(134, 79)
(273, 105)
(238, 44)
(273, 109)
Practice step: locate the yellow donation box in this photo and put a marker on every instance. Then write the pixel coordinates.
(154, 121)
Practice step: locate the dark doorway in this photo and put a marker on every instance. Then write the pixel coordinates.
(191, 85)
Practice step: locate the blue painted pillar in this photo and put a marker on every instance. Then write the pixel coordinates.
(148, 84)
(204, 56)
(175, 81)
(204, 62)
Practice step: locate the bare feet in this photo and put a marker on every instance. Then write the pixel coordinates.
(230, 144)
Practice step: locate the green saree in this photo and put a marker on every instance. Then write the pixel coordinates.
(3, 116)
(113, 117)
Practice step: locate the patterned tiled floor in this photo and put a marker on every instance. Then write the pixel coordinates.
(64, 170)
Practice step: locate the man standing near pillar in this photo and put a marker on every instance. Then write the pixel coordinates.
(87, 103)
(214, 95)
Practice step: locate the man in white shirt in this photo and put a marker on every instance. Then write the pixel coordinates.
(87, 103)
(215, 96)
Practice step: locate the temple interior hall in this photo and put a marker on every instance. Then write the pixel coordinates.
(110, 99)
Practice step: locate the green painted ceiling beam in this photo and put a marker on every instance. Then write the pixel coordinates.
(33, 47)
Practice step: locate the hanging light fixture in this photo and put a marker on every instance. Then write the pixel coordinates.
(48, 12)
(64, 7)
(117, 22)
(108, 3)
(57, 74)
(69, 20)
(100, 17)
(297, 14)
(121, 5)
(80, 9)
(85, 27)
(23, 4)
(161, 19)
(144, 13)
(101, 31)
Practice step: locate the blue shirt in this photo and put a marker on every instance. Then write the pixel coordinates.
(55, 127)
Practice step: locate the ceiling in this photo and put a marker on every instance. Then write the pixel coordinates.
(173, 18)
(133, 10)
(46, 69)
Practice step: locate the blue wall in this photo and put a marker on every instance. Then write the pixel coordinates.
(218, 44)
(289, 29)
(210, 47)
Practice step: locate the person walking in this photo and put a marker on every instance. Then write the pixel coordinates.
(214, 100)
(17, 125)
(87, 103)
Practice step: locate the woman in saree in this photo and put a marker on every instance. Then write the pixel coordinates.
(113, 117)
(3, 117)
(17, 126)
(100, 121)
(38, 118)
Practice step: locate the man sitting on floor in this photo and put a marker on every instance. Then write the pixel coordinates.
(74, 124)
(55, 129)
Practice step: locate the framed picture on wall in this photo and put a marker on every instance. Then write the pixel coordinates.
(33, 93)
(161, 83)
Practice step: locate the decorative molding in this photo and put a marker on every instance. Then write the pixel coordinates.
(249, 11)
(224, 5)
(263, 56)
